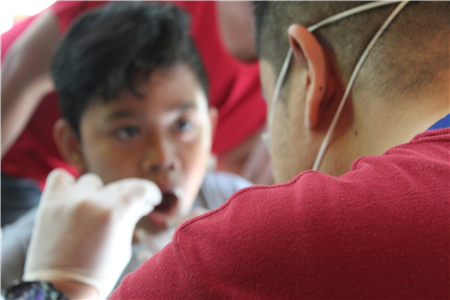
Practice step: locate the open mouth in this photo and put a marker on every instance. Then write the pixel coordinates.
(156, 220)
(168, 203)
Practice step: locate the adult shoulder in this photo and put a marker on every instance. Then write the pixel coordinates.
(375, 232)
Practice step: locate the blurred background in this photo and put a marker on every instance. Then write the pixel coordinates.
(12, 11)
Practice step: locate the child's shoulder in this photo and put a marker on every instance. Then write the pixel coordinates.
(217, 187)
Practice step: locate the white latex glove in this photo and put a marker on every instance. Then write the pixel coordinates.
(83, 230)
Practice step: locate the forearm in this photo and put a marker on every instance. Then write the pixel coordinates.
(26, 76)
(18, 105)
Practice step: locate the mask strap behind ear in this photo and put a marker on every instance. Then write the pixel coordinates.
(279, 83)
(350, 12)
(327, 138)
(284, 68)
(327, 21)
(265, 136)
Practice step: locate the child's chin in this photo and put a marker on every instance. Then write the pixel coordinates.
(157, 220)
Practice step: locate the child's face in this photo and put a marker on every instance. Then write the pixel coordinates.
(165, 137)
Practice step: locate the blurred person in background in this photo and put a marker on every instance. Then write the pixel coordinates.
(30, 109)
(132, 92)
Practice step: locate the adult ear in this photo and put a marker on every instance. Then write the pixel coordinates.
(68, 144)
(308, 53)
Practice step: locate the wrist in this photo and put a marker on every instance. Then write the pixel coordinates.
(76, 290)
(49, 290)
(32, 290)
(74, 286)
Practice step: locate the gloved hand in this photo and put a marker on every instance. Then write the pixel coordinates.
(83, 230)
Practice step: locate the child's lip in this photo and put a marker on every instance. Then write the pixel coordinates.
(157, 220)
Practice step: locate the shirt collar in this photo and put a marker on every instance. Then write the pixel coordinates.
(442, 123)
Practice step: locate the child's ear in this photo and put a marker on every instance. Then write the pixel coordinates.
(68, 144)
(214, 117)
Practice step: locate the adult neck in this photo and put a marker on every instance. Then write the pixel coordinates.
(379, 124)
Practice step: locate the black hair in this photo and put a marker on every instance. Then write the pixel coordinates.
(107, 50)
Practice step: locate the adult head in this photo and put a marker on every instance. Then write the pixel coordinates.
(132, 96)
(401, 90)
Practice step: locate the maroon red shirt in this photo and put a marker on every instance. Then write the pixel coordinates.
(380, 231)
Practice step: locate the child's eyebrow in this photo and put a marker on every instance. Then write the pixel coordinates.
(115, 115)
(123, 115)
(184, 106)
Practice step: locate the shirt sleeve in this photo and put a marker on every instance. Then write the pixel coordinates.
(8, 37)
(217, 187)
(67, 11)
(15, 241)
(164, 276)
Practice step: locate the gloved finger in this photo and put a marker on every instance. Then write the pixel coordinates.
(57, 179)
(138, 196)
(89, 182)
(136, 189)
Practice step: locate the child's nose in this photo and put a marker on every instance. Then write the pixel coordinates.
(160, 157)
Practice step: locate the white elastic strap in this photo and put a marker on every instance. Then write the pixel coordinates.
(327, 138)
(327, 21)
(63, 276)
(279, 83)
(350, 12)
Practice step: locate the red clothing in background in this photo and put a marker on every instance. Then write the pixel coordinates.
(380, 231)
(34, 154)
(234, 89)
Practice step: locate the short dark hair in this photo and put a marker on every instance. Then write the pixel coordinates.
(409, 55)
(108, 49)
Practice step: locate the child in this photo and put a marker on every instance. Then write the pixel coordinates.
(132, 96)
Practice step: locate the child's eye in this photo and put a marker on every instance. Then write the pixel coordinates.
(185, 126)
(127, 133)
